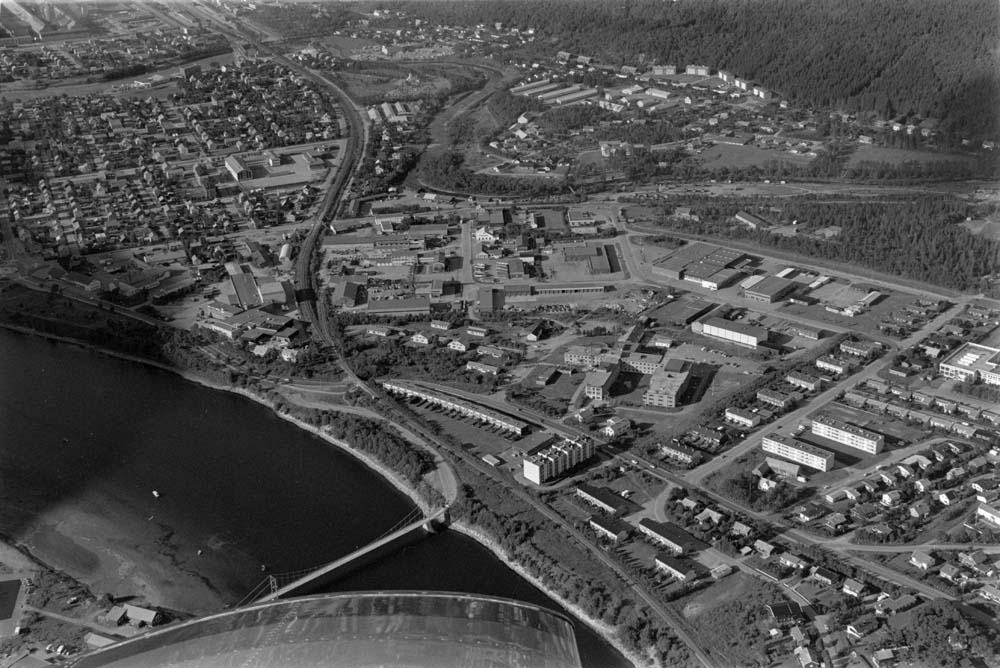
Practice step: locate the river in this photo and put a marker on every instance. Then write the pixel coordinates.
(86, 439)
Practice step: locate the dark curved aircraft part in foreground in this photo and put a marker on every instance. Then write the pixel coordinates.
(409, 629)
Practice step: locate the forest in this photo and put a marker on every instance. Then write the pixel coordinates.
(899, 60)
(915, 238)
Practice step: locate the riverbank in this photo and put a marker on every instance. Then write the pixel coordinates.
(105, 562)
(607, 632)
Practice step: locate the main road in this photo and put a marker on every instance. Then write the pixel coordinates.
(784, 529)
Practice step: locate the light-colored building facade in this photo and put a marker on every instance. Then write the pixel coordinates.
(556, 460)
(848, 434)
(798, 451)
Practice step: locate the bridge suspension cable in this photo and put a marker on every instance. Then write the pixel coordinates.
(275, 581)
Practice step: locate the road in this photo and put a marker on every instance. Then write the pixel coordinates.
(783, 528)
(75, 621)
(790, 421)
(312, 307)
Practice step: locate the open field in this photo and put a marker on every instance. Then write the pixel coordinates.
(738, 157)
(867, 152)
(988, 229)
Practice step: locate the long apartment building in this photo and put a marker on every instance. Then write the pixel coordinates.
(466, 408)
(848, 434)
(798, 451)
(556, 460)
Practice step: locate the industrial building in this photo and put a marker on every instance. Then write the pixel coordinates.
(749, 336)
(799, 451)
(769, 290)
(848, 434)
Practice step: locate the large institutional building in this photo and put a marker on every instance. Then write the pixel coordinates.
(848, 434)
(972, 362)
(666, 388)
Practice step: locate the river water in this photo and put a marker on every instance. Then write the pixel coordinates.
(85, 439)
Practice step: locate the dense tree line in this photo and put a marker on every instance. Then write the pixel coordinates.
(938, 635)
(897, 59)
(369, 436)
(915, 238)
(448, 172)
(551, 556)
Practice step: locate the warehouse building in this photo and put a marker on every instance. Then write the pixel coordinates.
(769, 290)
(749, 336)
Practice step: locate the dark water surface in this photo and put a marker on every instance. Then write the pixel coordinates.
(78, 428)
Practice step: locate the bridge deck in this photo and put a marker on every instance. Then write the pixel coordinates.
(320, 572)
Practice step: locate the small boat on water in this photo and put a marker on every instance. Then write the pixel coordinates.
(156, 494)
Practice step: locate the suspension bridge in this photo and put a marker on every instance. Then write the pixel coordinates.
(293, 583)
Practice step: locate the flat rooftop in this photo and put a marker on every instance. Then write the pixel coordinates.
(974, 357)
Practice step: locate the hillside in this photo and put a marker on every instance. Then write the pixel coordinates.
(910, 58)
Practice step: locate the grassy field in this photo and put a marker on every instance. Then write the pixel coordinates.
(725, 155)
(867, 152)
(988, 229)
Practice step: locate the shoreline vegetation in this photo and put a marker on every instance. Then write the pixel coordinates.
(605, 631)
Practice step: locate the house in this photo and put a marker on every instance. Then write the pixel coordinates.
(714, 516)
(977, 560)
(805, 657)
(798, 636)
(784, 613)
(116, 616)
(884, 658)
(616, 427)
(922, 560)
(890, 499)
(420, 338)
(834, 521)
(764, 549)
(920, 509)
(740, 529)
(809, 512)
(862, 626)
(947, 498)
(790, 560)
(990, 593)
(951, 573)
(459, 345)
(824, 575)
(140, 617)
(853, 588)
(891, 606)
(988, 513)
